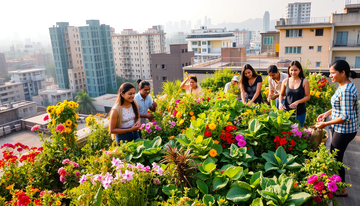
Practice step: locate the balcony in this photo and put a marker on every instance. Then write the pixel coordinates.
(69, 59)
(198, 36)
(298, 21)
(125, 44)
(125, 56)
(351, 44)
(126, 61)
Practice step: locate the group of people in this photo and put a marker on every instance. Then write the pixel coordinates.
(290, 91)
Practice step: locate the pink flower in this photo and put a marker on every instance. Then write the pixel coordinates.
(128, 175)
(239, 137)
(330, 195)
(312, 179)
(62, 171)
(173, 123)
(65, 161)
(142, 126)
(174, 113)
(177, 102)
(62, 179)
(149, 130)
(319, 186)
(148, 126)
(46, 117)
(24, 200)
(157, 181)
(77, 174)
(332, 186)
(147, 168)
(34, 128)
(83, 179)
(241, 143)
(157, 127)
(335, 178)
(317, 199)
(75, 164)
(60, 128)
(323, 174)
(298, 133)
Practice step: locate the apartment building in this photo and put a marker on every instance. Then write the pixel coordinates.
(345, 38)
(3, 65)
(83, 57)
(298, 12)
(242, 38)
(132, 51)
(52, 96)
(207, 43)
(10, 92)
(33, 80)
(168, 66)
(16, 110)
(270, 43)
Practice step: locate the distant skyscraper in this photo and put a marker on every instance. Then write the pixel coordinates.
(183, 25)
(266, 21)
(169, 28)
(84, 54)
(189, 26)
(205, 21)
(298, 13)
(209, 22)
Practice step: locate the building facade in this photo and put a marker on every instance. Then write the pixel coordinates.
(266, 21)
(16, 110)
(298, 12)
(10, 92)
(33, 80)
(207, 43)
(52, 96)
(3, 65)
(270, 43)
(242, 38)
(168, 66)
(84, 57)
(132, 51)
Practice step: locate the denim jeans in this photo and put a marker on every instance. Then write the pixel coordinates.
(277, 102)
(301, 118)
(127, 137)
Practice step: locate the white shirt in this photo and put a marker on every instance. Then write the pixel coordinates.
(128, 117)
(276, 86)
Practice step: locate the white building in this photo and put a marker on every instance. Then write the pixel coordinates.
(132, 51)
(207, 43)
(242, 38)
(10, 92)
(266, 21)
(33, 80)
(52, 96)
(255, 42)
(298, 12)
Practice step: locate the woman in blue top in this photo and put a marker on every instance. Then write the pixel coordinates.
(250, 86)
(344, 113)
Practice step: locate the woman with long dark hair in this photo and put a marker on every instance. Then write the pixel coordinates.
(250, 85)
(125, 117)
(296, 88)
(344, 113)
(193, 87)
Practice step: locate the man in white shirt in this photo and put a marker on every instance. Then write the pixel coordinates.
(275, 80)
(145, 101)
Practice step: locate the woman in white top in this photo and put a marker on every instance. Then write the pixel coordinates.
(125, 117)
(193, 88)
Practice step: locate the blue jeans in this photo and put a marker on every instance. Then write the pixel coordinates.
(301, 118)
(127, 137)
(277, 102)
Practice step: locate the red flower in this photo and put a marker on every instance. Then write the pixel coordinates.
(223, 145)
(222, 171)
(207, 133)
(283, 132)
(64, 148)
(277, 138)
(292, 142)
(23, 200)
(37, 202)
(330, 195)
(207, 126)
(208, 98)
(320, 89)
(283, 141)
(290, 148)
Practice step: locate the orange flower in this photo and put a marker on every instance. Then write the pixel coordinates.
(191, 113)
(213, 153)
(193, 117)
(172, 137)
(216, 142)
(10, 186)
(295, 184)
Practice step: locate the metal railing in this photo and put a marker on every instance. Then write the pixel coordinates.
(347, 43)
(296, 21)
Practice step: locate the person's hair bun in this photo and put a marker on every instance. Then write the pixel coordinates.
(353, 74)
(138, 81)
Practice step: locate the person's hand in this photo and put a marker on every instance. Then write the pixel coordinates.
(294, 105)
(250, 103)
(154, 104)
(274, 96)
(320, 125)
(136, 126)
(268, 99)
(149, 116)
(321, 117)
(281, 106)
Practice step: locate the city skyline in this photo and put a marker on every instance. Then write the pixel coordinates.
(35, 24)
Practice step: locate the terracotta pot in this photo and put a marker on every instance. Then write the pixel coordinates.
(326, 137)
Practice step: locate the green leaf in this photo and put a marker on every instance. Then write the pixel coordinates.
(269, 166)
(220, 182)
(199, 139)
(237, 194)
(278, 160)
(201, 176)
(98, 196)
(269, 157)
(254, 125)
(234, 173)
(218, 148)
(298, 198)
(294, 165)
(189, 134)
(266, 182)
(255, 179)
(182, 139)
(208, 200)
(202, 186)
(168, 188)
(257, 202)
(280, 152)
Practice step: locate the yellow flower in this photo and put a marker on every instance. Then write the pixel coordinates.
(213, 153)
(58, 103)
(229, 123)
(68, 122)
(71, 105)
(312, 93)
(58, 202)
(216, 142)
(75, 137)
(191, 113)
(63, 138)
(10, 187)
(76, 116)
(50, 109)
(317, 94)
(178, 115)
(53, 121)
(193, 117)
(171, 137)
(212, 126)
(181, 122)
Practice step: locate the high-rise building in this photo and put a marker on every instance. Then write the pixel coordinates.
(132, 51)
(298, 12)
(189, 26)
(84, 57)
(3, 65)
(266, 21)
(242, 38)
(205, 21)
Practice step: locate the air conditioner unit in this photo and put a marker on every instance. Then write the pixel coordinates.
(312, 30)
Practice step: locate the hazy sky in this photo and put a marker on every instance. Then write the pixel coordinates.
(32, 18)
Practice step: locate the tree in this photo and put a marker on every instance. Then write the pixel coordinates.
(85, 103)
(122, 80)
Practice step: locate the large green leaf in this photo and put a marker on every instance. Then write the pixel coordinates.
(202, 186)
(294, 165)
(280, 152)
(168, 188)
(255, 179)
(269, 166)
(208, 200)
(290, 159)
(202, 176)
(269, 157)
(98, 196)
(182, 139)
(254, 125)
(266, 182)
(234, 172)
(220, 182)
(218, 148)
(238, 194)
(257, 202)
(189, 134)
(278, 160)
(298, 198)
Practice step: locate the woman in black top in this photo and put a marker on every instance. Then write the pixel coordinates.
(250, 85)
(296, 88)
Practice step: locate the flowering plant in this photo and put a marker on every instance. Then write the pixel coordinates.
(151, 129)
(69, 175)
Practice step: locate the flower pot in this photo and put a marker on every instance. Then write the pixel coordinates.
(316, 137)
(325, 138)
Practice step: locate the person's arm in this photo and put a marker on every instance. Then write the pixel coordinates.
(282, 93)
(322, 116)
(153, 105)
(183, 84)
(257, 93)
(306, 98)
(227, 87)
(242, 93)
(271, 90)
(112, 124)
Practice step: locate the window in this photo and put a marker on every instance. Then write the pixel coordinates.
(340, 58)
(157, 66)
(163, 66)
(319, 48)
(294, 33)
(341, 38)
(318, 64)
(203, 50)
(182, 51)
(357, 62)
(293, 50)
(311, 47)
(209, 42)
(268, 40)
(209, 50)
(164, 78)
(203, 43)
(319, 32)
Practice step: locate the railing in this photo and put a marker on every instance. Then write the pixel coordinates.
(296, 21)
(347, 2)
(210, 36)
(347, 43)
